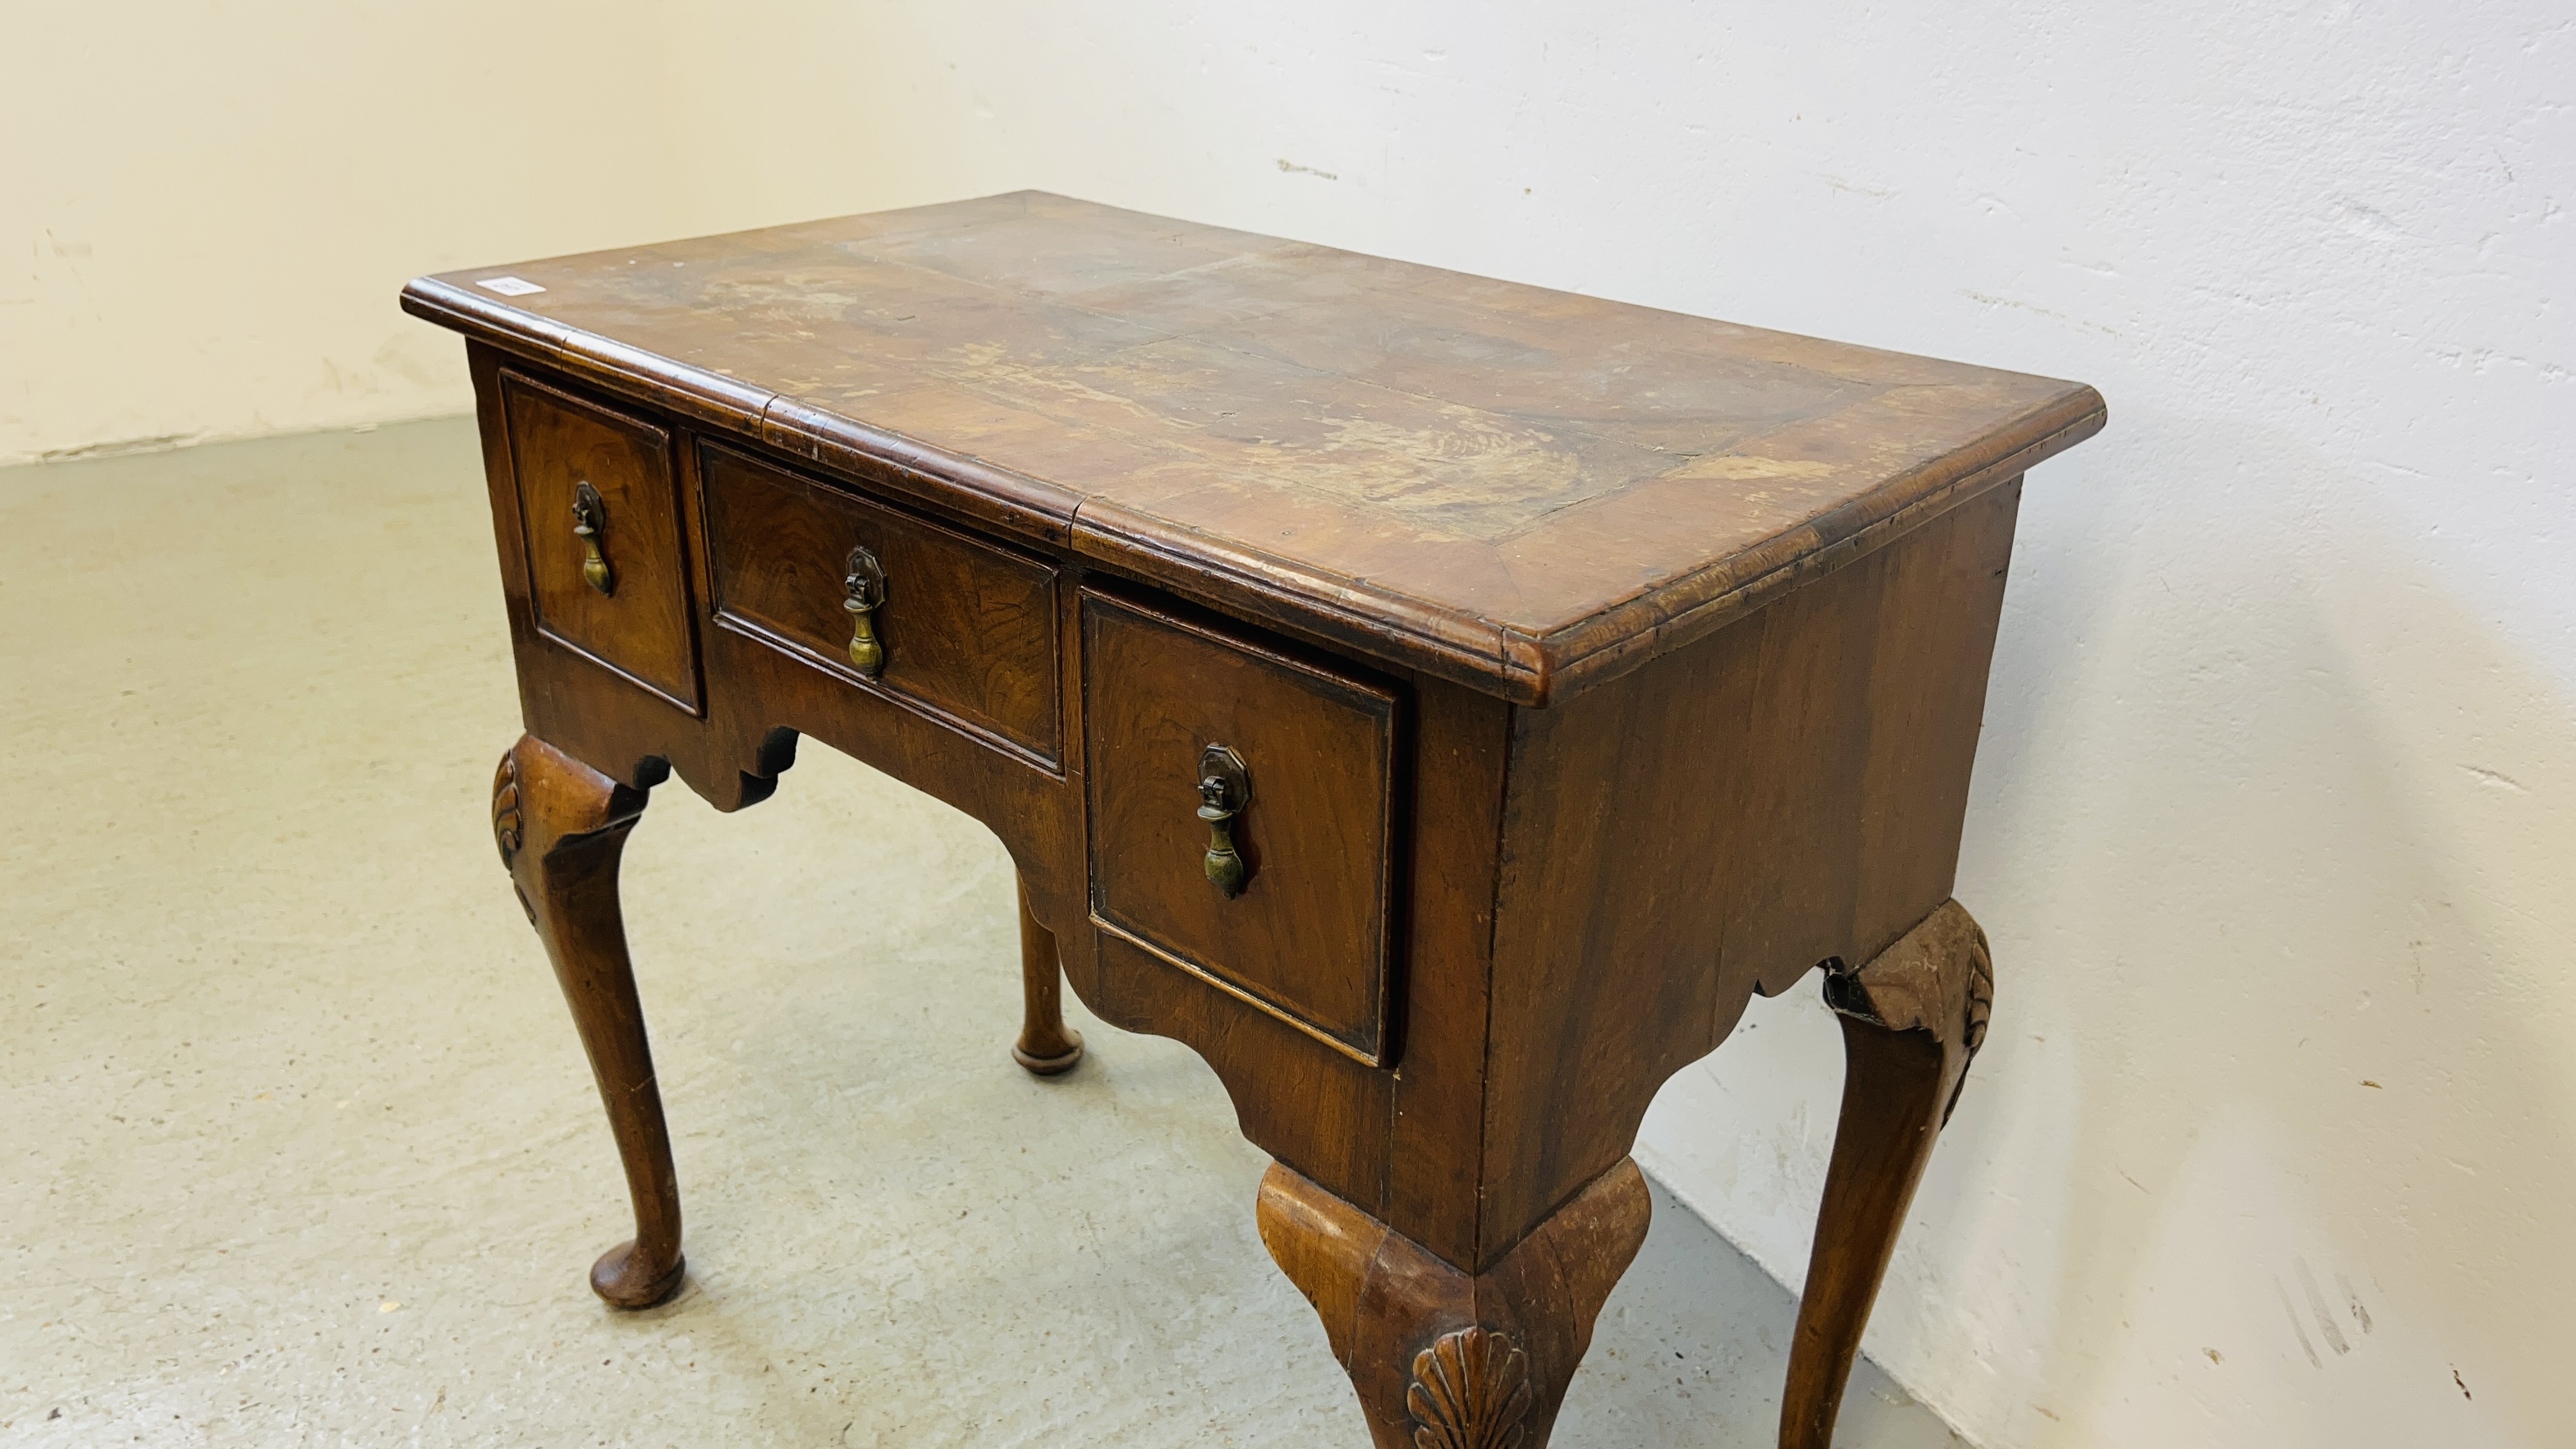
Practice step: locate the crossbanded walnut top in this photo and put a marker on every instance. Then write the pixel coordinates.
(1523, 489)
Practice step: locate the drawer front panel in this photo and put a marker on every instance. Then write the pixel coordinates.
(583, 466)
(1305, 934)
(966, 630)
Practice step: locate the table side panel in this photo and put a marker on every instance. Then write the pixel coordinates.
(1877, 683)
(1787, 790)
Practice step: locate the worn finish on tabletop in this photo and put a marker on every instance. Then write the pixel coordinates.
(1439, 703)
(1518, 488)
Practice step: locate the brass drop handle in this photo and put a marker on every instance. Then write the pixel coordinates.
(589, 520)
(864, 582)
(1225, 787)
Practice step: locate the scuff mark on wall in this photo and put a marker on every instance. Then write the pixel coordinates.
(120, 447)
(2295, 1326)
(2496, 780)
(2326, 1324)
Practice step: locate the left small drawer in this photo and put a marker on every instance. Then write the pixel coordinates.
(602, 527)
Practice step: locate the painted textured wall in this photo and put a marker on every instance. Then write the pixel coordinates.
(2275, 823)
(205, 210)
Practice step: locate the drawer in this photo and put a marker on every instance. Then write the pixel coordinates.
(1306, 934)
(965, 630)
(617, 590)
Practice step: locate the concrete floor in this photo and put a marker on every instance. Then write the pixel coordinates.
(299, 1147)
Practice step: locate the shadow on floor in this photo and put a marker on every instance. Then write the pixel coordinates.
(304, 1152)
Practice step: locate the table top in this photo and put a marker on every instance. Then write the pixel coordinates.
(1523, 489)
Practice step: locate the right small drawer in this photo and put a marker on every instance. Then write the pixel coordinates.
(1196, 741)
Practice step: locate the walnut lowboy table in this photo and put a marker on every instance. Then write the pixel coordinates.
(1439, 702)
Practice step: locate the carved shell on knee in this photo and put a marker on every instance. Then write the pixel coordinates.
(1470, 1391)
(1981, 1009)
(1981, 993)
(506, 830)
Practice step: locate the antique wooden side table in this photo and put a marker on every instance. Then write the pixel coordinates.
(1439, 702)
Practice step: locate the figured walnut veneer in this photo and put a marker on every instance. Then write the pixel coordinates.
(1515, 488)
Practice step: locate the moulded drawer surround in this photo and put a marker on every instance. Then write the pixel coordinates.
(640, 627)
(1308, 938)
(968, 628)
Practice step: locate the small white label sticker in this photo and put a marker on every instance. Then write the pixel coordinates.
(509, 286)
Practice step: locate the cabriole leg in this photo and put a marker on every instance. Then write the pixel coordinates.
(1046, 1046)
(562, 827)
(1911, 1021)
(1442, 1358)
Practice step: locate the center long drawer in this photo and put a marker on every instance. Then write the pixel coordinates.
(960, 628)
